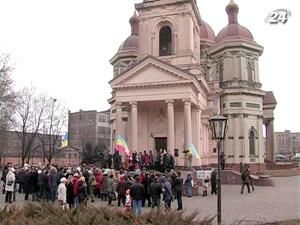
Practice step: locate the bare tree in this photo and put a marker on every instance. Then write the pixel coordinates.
(27, 120)
(52, 127)
(7, 100)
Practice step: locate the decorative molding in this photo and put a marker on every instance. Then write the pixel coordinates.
(241, 137)
(241, 156)
(230, 156)
(235, 104)
(252, 105)
(230, 137)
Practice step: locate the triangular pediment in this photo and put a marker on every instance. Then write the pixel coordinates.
(151, 71)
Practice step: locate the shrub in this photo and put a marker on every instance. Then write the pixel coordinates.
(47, 214)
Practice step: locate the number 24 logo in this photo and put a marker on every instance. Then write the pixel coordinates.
(278, 16)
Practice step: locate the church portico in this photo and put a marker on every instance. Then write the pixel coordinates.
(148, 123)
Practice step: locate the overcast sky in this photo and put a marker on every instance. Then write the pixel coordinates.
(63, 47)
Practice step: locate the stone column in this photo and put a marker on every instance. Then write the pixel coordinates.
(171, 126)
(198, 128)
(134, 124)
(270, 140)
(236, 132)
(187, 123)
(119, 123)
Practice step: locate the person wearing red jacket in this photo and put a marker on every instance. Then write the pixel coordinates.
(99, 179)
(75, 181)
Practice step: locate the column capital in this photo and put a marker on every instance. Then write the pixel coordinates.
(133, 104)
(187, 101)
(171, 101)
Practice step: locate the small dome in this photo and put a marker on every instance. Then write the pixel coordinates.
(207, 33)
(234, 31)
(131, 43)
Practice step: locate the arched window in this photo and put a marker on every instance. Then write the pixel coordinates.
(165, 41)
(249, 72)
(252, 141)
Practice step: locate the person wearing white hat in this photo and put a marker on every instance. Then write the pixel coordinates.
(62, 193)
(9, 185)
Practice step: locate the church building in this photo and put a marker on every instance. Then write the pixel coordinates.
(172, 74)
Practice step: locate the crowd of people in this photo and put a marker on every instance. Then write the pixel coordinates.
(76, 186)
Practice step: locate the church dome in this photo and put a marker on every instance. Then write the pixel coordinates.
(207, 33)
(234, 31)
(131, 43)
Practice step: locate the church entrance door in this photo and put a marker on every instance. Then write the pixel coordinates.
(160, 143)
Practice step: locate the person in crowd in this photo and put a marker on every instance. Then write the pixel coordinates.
(205, 183)
(82, 191)
(70, 192)
(167, 192)
(75, 185)
(4, 174)
(140, 160)
(20, 180)
(250, 178)
(146, 183)
(53, 183)
(245, 180)
(151, 160)
(172, 177)
(44, 187)
(213, 182)
(103, 189)
(222, 160)
(34, 184)
(155, 192)
(62, 193)
(109, 160)
(110, 189)
(9, 184)
(121, 190)
(128, 201)
(188, 183)
(99, 179)
(27, 186)
(137, 193)
(92, 185)
(60, 174)
(178, 189)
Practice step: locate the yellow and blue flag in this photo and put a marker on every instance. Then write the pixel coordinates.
(193, 151)
(64, 140)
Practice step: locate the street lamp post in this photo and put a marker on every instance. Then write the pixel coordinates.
(218, 127)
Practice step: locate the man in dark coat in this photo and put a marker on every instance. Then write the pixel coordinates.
(27, 184)
(178, 189)
(34, 184)
(137, 193)
(53, 183)
(245, 179)
(155, 192)
(213, 181)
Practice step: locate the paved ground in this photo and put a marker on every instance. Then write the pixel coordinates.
(265, 204)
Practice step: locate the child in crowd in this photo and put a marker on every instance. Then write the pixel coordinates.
(128, 201)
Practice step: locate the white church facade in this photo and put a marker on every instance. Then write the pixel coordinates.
(172, 74)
